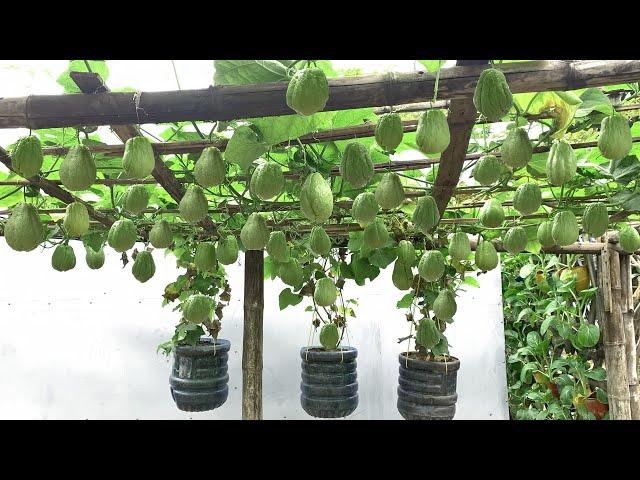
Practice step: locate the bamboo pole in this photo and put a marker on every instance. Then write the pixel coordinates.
(629, 335)
(344, 133)
(343, 204)
(615, 358)
(229, 102)
(252, 335)
(421, 106)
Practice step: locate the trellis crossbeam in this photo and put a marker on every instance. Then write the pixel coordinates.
(228, 102)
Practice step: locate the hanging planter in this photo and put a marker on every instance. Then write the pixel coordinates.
(329, 381)
(199, 375)
(427, 388)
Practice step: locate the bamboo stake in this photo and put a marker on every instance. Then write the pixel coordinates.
(617, 379)
(629, 335)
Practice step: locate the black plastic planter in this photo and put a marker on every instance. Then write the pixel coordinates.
(427, 390)
(199, 375)
(329, 382)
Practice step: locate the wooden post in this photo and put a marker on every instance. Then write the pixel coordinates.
(615, 358)
(629, 335)
(252, 335)
(461, 119)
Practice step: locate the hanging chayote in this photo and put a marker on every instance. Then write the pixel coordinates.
(337, 210)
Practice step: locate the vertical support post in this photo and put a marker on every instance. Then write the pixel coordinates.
(615, 358)
(252, 335)
(629, 335)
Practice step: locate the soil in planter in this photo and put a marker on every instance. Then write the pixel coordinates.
(329, 382)
(427, 386)
(199, 375)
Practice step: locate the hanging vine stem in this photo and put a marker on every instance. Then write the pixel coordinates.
(435, 85)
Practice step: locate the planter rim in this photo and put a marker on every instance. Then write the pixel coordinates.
(445, 367)
(343, 353)
(210, 347)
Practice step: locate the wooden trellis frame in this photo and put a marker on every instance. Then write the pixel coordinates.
(98, 106)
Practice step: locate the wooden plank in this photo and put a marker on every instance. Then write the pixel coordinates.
(228, 102)
(92, 84)
(615, 357)
(461, 118)
(626, 305)
(252, 335)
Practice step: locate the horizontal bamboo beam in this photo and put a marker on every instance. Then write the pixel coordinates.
(393, 166)
(331, 135)
(421, 106)
(343, 204)
(229, 102)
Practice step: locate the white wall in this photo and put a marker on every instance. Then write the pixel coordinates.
(81, 344)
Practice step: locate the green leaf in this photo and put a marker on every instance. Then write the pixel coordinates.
(243, 72)
(442, 348)
(597, 373)
(97, 66)
(405, 302)
(527, 269)
(569, 98)
(526, 374)
(244, 147)
(356, 241)
(431, 65)
(594, 99)
(566, 395)
(564, 330)
(626, 169)
(382, 257)
(533, 246)
(472, 281)
(287, 298)
(524, 313)
(546, 323)
(602, 397)
(533, 339)
(588, 335)
(276, 130)
(94, 239)
(362, 270)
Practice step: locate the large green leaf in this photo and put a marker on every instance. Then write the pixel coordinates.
(594, 99)
(626, 169)
(287, 298)
(242, 72)
(96, 66)
(244, 147)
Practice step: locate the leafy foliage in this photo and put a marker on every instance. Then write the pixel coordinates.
(574, 117)
(554, 352)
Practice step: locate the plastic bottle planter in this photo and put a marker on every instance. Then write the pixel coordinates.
(329, 382)
(427, 390)
(199, 375)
